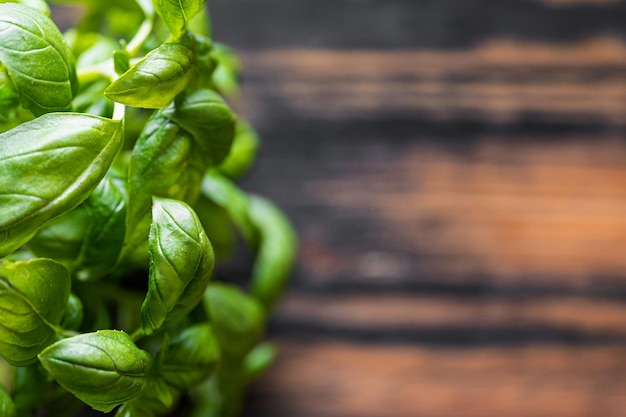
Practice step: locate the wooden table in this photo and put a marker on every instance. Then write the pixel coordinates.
(456, 170)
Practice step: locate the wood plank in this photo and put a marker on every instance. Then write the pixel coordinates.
(494, 82)
(442, 24)
(405, 313)
(348, 380)
(422, 209)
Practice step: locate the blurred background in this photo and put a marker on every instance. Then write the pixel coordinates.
(456, 170)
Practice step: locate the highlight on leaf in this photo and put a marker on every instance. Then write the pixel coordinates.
(37, 59)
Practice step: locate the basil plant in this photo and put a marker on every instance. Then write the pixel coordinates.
(118, 161)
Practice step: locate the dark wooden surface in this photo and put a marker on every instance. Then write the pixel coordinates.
(456, 170)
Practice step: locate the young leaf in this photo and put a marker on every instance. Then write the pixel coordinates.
(165, 162)
(33, 296)
(258, 361)
(218, 227)
(154, 81)
(103, 369)
(177, 13)
(226, 74)
(191, 356)
(7, 408)
(157, 399)
(73, 316)
(37, 59)
(48, 166)
(205, 115)
(181, 262)
(276, 252)
(62, 237)
(237, 318)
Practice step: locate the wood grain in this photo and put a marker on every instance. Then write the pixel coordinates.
(495, 82)
(346, 380)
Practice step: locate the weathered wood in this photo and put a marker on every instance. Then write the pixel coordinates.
(496, 82)
(433, 24)
(345, 380)
(406, 316)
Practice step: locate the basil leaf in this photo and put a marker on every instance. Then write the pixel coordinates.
(62, 237)
(33, 296)
(218, 227)
(40, 5)
(165, 162)
(154, 81)
(7, 408)
(260, 358)
(204, 62)
(105, 237)
(73, 316)
(191, 356)
(177, 13)
(205, 115)
(103, 369)
(237, 318)
(242, 152)
(157, 399)
(226, 74)
(181, 263)
(276, 251)
(48, 166)
(37, 59)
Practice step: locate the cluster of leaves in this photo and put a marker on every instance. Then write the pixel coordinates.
(118, 156)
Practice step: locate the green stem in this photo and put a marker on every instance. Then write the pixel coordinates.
(119, 111)
(140, 37)
(137, 334)
(96, 72)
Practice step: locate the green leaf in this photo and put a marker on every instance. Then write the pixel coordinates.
(33, 296)
(181, 263)
(7, 408)
(165, 162)
(105, 237)
(154, 81)
(237, 318)
(177, 13)
(191, 356)
(62, 237)
(260, 358)
(208, 118)
(276, 251)
(103, 369)
(37, 59)
(48, 166)
(29, 388)
(242, 153)
(39, 5)
(226, 74)
(157, 399)
(218, 227)
(73, 316)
